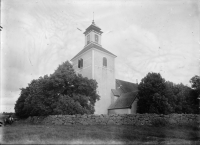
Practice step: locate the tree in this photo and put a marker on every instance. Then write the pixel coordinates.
(63, 92)
(160, 105)
(182, 93)
(20, 108)
(195, 93)
(182, 98)
(159, 96)
(67, 105)
(169, 94)
(195, 82)
(151, 95)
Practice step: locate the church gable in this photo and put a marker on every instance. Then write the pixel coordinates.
(90, 46)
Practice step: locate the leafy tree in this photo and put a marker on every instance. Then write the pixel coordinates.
(20, 109)
(160, 105)
(182, 99)
(63, 92)
(169, 94)
(195, 82)
(195, 93)
(67, 105)
(151, 95)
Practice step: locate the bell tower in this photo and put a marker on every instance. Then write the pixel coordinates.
(93, 34)
(95, 62)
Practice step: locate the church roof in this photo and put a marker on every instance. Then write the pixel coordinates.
(126, 93)
(93, 26)
(125, 87)
(115, 92)
(124, 101)
(91, 45)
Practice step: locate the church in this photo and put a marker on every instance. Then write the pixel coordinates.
(95, 62)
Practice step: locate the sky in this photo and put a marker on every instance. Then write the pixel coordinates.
(159, 36)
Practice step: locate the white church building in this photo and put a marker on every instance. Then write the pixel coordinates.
(95, 62)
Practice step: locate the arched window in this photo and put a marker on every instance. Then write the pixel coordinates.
(104, 62)
(88, 39)
(96, 38)
(80, 63)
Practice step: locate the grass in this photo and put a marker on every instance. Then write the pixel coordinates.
(99, 134)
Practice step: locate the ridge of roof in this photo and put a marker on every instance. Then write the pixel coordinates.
(91, 45)
(124, 81)
(125, 86)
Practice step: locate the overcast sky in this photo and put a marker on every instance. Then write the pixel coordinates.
(147, 36)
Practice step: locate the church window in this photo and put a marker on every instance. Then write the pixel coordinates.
(104, 62)
(96, 38)
(88, 39)
(80, 63)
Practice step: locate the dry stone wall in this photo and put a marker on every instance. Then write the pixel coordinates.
(116, 119)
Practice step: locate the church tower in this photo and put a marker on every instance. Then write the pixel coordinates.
(97, 63)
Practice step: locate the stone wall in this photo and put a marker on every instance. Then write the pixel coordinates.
(125, 119)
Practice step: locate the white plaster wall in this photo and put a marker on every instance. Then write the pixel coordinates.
(120, 111)
(134, 107)
(105, 76)
(86, 71)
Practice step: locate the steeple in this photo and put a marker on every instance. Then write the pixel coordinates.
(93, 27)
(93, 34)
(95, 62)
(93, 40)
(93, 22)
(93, 19)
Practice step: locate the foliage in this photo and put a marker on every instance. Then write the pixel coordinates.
(63, 92)
(195, 81)
(160, 105)
(182, 98)
(163, 97)
(70, 106)
(195, 93)
(20, 109)
(151, 95)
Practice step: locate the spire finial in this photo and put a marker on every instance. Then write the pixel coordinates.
(93, 19)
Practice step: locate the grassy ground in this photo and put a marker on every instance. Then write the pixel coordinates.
(99, 134)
